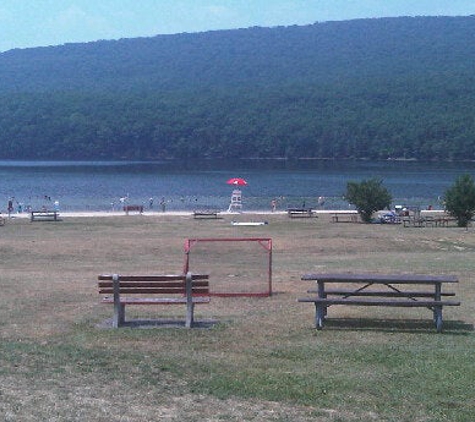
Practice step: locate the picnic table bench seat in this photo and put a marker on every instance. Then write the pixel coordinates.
(383, 293)
(389, 290)
(175, 289)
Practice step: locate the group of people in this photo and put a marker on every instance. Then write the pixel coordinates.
(124, 199)
(15, 206)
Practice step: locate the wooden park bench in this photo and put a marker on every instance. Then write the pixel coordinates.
(379, 290)
(301, 213)
(205, 214)
(44, 215)
(182, 289)
(137, 208)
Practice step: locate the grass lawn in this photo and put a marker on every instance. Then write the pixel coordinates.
(263, 360)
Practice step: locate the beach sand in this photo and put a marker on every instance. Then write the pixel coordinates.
(147, 213)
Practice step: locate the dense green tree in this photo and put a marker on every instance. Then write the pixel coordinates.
(393, 88)
(368, 196)
(459, 200)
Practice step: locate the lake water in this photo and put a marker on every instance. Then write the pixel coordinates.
(98, 186)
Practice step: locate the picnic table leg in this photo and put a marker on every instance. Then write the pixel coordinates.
(321, 294)
(438, 309)
(320, 310)
(319, 316)
(438, 318)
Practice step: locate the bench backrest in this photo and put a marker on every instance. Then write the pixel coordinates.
(154, 284)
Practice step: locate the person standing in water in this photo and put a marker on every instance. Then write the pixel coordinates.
(273, 205)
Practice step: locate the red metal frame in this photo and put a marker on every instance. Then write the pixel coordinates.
(265, 242)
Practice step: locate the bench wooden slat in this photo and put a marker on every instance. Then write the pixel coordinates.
(155, 301)
(131, 291)
(145, 284)
(153, 277)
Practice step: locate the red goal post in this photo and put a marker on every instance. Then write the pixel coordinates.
(237, 266)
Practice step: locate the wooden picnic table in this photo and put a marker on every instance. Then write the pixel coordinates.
(391, 290)
(345, 217)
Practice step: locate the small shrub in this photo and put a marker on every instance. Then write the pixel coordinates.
(460, 200)
(368, 196)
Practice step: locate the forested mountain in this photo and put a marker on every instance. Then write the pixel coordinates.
(370, 88)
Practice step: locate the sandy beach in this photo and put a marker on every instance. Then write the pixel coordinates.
(148, 213)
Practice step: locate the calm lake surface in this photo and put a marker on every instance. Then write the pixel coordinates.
(98, 186)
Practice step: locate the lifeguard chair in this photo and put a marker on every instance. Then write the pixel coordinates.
(236, 201)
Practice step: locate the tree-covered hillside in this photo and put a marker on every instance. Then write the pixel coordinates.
(373, 88)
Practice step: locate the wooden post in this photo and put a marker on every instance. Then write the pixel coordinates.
(189, 299)
(119, 309)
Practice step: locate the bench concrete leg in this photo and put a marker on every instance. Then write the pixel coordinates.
(119, 315)
(119, 308)
(190, 306)
(189, 315)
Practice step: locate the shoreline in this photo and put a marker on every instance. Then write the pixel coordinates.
(89, 214)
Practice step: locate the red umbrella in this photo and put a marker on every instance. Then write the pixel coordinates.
(237, 181)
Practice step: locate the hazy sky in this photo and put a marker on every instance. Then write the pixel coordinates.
(33, 23)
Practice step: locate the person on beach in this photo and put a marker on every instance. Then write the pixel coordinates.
(163, 203)
(10, 207)
(123, 202)
(273, 205)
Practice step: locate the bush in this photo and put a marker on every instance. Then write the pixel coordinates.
(459, 200)
(368, 196)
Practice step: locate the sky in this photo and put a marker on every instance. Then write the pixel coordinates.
(35, 23)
